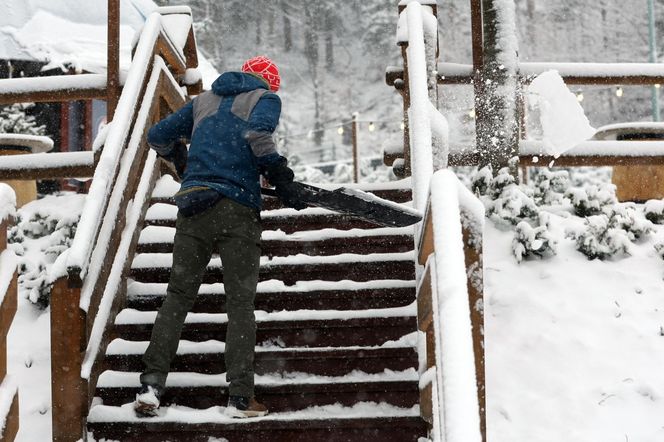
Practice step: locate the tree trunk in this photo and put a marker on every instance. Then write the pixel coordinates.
(329, 38)
(497, 119)
(288, 30)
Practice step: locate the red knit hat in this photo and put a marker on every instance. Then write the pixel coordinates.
(264, 67)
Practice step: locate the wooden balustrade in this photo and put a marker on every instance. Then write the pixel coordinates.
(428, 298)
(72, 319)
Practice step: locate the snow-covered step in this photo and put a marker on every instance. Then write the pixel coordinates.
(314, 242)
(276, 296)
(155, 267)
(279, 393)
(332, 423)
(208, 358)
(312, 328)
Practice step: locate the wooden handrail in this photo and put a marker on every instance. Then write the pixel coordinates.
(39, 166)
(82, 310)
(601, 74)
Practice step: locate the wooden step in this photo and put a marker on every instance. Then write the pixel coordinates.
(324, 362)
(156, 239)
(384, 429)
(370, 331)
(279, 397)
(211, 298)
(155, 267)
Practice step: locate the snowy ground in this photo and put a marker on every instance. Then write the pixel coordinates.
(574, 347)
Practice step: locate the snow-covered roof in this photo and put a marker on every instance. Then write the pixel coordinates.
(73, 34)
(61, 32)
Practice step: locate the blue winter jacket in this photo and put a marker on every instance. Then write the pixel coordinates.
(230, 129)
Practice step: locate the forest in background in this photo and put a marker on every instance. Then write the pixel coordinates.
(333, 55)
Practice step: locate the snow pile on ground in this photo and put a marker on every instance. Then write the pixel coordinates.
(574, 346)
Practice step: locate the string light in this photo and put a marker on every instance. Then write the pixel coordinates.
(340, 131)
(657, 85)
(471, 113)
(372, 127)
(619, 92)
(579, 96)
(403, 125)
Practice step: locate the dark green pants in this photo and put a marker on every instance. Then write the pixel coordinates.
(234, 231)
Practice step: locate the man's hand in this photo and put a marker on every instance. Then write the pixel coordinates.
(281, 177)
(178, 158)
(292, 195)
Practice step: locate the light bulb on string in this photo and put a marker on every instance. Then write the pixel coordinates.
(340, 131)
(372, 127)
(579, 96)
(619, 92)
(471, 113)
(403, 125)
(657, 86)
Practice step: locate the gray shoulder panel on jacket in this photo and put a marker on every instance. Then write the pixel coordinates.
(205, 104)
(245, 103)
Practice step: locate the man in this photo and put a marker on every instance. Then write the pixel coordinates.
(230, 130)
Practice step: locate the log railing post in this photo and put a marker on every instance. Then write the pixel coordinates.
(68, 341)
(113, 58)
(475, 276)
(8, 306)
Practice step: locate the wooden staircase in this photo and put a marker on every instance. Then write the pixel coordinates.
(336, 355)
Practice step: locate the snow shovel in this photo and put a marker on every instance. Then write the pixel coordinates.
(357, 203)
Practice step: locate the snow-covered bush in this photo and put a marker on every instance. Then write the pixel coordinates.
(512, 206)
(654, 211)
(44, 229)
(532, 242)
(505, 201)
(481, 181)
(659, 247)
(627, 218)
(549, 187)
(590, 200)
(500, 183)
(598, 239)
(15, 120)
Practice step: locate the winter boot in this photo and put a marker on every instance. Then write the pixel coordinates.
(243, 407)
(147, 400)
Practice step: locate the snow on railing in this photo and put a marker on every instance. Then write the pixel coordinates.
(573, 73)
(455, 405)
(118, 266)
(452, 401)
(425, 123)
(8, 260)
(102, 183)
(607, 148)
(64, 83)
(98, 256)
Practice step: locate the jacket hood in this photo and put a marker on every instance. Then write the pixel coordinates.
(233, 83)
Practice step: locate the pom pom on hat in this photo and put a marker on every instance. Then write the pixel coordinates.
(264, 67)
